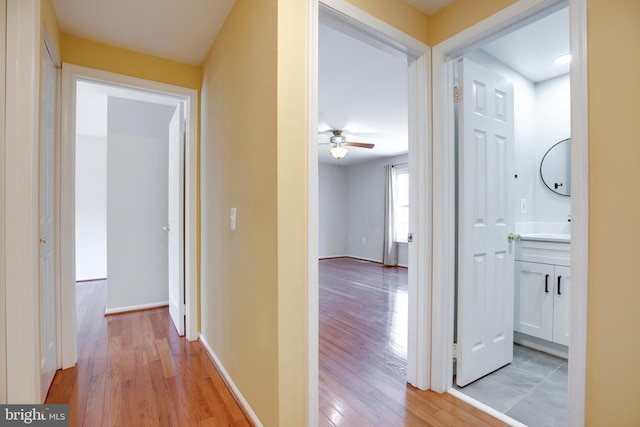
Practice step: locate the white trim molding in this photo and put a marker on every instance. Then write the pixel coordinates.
(352, 21)
(313, 242)
(110, 311)
(444, 244)
(229, 382)
(3, 299)
(579, 213)
(21, 200)
(70, 75)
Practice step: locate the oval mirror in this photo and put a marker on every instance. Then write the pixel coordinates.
(555, 168)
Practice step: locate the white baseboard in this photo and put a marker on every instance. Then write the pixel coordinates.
(359, 258)
(535, 343)
(135, 307)
(227, 379)
(484, 408)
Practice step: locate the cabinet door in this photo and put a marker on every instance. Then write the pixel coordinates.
(561, 295)
(534, 299)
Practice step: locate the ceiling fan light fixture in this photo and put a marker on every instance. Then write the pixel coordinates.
(338, 151)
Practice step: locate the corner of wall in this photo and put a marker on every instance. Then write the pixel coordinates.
(460, 15)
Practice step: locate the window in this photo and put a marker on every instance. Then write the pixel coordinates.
(402, 203)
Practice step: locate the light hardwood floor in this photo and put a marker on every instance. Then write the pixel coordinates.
(363, 352)
(134, 370)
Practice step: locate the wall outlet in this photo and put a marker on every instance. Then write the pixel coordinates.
(364, 240)
(523, 205)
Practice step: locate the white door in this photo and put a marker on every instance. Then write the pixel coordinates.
(175, 226)
(485, 219)
(561, 298)
(48, 349)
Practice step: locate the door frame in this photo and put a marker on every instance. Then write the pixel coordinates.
(70, 75)
(360, 24)
(444, 245)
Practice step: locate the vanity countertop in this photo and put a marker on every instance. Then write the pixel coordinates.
(547, 237)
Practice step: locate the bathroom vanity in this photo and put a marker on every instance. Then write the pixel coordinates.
(542, 292)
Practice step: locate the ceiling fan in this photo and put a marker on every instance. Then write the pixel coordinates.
(338, 144)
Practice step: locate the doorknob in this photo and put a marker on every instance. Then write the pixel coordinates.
(43, 240)
(165, 228)
(513, 237)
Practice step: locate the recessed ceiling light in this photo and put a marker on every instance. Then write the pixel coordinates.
(564, 59)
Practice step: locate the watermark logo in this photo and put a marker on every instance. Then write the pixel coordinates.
(34, 415)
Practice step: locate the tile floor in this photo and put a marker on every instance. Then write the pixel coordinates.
(532, 389)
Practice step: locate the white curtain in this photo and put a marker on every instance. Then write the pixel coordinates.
(390, 254)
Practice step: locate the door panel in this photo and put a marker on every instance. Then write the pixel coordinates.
(176, 219)
(48, 350)
(534, 299)
(485, 218)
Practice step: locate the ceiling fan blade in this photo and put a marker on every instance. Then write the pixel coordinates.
(360, 144)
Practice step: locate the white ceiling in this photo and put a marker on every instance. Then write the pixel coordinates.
(179, 30)
(362, 90)
(531, 50)
(430, 6)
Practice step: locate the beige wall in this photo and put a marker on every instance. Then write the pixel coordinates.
(100, 56)
(614, 271)
(460, 15)
(399, 14)
(292, 211)
(239, 152)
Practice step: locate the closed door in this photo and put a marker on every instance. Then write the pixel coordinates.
(485, 219)
(48, 349)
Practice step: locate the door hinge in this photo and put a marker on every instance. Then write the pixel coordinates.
(455, 350)
(183, 310)
(456, 95)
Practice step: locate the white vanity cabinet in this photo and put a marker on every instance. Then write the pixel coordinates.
(542, 290)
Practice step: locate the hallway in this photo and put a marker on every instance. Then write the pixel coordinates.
(133, 369)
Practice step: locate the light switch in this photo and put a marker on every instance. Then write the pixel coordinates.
(233, 218)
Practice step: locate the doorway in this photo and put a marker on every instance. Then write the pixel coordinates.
(363, 209)
(511, 18)
(122, 201)
(354, 22)
(71, 76)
